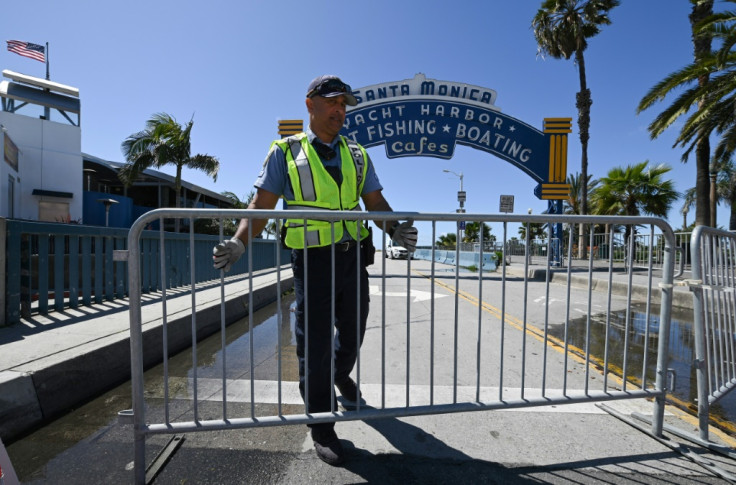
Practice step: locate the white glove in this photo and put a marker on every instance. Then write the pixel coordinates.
(405, 235)
(227, 253)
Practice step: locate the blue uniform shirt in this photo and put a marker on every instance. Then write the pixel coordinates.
(274, 175)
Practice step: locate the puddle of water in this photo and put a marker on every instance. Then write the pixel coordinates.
(73, 438)
(681, 349)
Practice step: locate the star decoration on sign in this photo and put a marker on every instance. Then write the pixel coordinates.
(446, 129)
(512, 128)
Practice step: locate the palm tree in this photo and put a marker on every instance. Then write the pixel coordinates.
(635, 190)
(472, 233)
(562, 29)
(448, 241)
(687, 204)
(701, 123)
(164, 142)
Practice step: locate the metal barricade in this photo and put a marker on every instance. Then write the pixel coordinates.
(714, 310)
(489, 358)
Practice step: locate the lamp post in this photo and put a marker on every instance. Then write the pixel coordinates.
(713, 194)
(461, 200)
(685, 210)
(107, 203)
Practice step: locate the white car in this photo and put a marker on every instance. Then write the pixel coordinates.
(396, 252)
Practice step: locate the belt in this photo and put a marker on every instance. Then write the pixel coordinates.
(341, 247)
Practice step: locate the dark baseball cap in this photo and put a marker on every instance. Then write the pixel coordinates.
(329, 86)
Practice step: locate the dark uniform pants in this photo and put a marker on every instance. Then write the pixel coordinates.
(314, 295)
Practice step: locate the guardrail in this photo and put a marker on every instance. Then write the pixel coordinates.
(714, 308)
(53, 266)
(478, 373)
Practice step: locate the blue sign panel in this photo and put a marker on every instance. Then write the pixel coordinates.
(432, 128)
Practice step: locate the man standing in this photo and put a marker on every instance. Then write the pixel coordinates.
(321, 170)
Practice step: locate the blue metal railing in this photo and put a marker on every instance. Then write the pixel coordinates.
(58, 266)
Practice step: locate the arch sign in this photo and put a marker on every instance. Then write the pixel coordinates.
(423, 117)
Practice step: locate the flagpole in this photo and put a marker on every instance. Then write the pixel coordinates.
(47, 110)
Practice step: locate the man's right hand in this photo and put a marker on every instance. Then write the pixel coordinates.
(225, 254)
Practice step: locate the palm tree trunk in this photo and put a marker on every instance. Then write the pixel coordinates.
(583, 103)
(701, 48)
(177, 187)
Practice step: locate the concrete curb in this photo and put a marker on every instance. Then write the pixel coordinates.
(60, 382)
(681, 296)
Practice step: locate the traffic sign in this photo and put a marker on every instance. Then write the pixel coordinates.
(507, 204)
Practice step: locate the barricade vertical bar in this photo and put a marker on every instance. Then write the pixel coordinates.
(431, 318)
(457, 304)
(164, 325)
(718, 296)
(305, 249)
(566, 356)
(332, 315)
(665, 314)
(503, 313)
(250, 320)
(136, 358)
(223, 336)
(480, 313)
(608, 310)
(359, 268)
(408, 326)
(546, 310)
(194, 322)
(627, 325)
(383, 316)
(279, 313)
(589, 310)
(359, 264)
(527, 258)
(645, 359)
(711, 360)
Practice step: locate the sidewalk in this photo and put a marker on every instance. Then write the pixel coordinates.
(48, 365)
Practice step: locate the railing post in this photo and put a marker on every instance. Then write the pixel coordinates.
(701, 357)
(665, 318)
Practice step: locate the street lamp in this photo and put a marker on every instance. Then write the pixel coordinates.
(461, 200)
(107, 203)
(713, 199)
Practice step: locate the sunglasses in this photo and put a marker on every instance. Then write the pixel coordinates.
(330, 86)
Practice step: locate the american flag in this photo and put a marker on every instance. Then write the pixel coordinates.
(34, 51)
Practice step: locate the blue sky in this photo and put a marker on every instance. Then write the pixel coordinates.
(239, 67)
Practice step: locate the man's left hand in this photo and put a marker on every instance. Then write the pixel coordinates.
(405, 235)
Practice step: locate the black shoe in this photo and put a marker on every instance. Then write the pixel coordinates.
(328, 446)
(349, 390)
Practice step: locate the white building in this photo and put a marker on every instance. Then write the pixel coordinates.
(42, 142)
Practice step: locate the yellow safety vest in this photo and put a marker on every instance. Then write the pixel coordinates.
(315, 189)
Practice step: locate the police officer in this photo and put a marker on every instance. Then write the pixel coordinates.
(319, 169)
